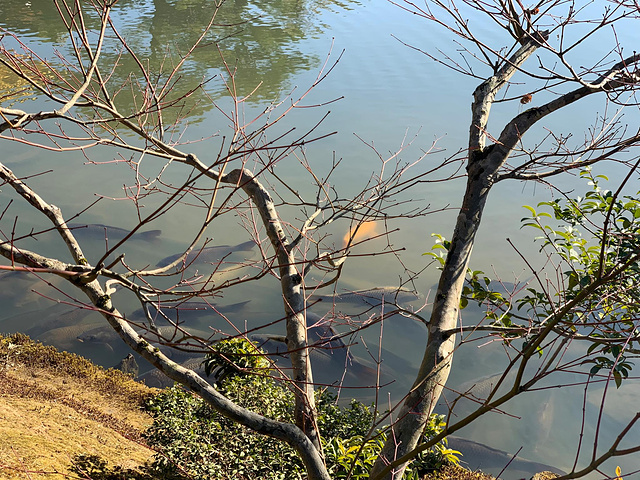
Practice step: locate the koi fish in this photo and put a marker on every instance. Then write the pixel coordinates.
(190, 310)
(56, 317)
(106, 335)
(155, 378)
(208, 254)
(98, 231)
(477, 456)
(360, 232)
(372, 296)
(331, 360)
(63, 337)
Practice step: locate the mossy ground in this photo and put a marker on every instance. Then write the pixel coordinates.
(55, 405)
(454, 472)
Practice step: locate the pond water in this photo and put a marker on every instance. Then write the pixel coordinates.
(390, 95)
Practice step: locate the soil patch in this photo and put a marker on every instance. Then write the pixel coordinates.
(56, 405)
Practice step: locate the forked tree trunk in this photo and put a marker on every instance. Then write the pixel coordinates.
(484, 164)
(305, 413)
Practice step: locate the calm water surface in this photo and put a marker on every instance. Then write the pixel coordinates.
(391, 94)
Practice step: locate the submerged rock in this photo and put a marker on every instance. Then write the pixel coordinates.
(128, 365)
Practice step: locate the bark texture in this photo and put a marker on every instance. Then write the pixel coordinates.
(291, 282)
(483, 166)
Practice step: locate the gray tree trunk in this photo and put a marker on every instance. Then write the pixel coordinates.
(484, 164)
(291, 282)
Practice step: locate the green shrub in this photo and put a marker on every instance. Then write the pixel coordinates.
(348, 458)
(342, 422)
(209, 446)
(234, 357)
(437, 456)
(206, 445)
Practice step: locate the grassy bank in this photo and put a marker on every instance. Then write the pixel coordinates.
(55, 405)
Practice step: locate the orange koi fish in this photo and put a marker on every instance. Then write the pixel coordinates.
(362, 232)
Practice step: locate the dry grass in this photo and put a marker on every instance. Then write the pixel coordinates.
(55, 405)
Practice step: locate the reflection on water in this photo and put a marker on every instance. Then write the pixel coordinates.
(278, 45)
(13, 89)
(260, 42)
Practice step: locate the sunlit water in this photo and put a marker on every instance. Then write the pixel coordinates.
(391, 95)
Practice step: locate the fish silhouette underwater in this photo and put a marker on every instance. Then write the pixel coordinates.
(18, 293)
(106, 335)
(214, 254)
(155, 378)
(544, 420)
(57, 325)
(332, 361)
(183, 349)
(477, 456)
(188, 311)
(41, 322)
(98, 231)
(371, 296)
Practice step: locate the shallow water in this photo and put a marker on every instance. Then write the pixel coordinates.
(390, 92)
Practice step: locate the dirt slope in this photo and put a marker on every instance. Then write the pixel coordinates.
(55, 405)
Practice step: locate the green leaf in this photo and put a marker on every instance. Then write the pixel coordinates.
(534, 225)
(617, 377)
(592, 347)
